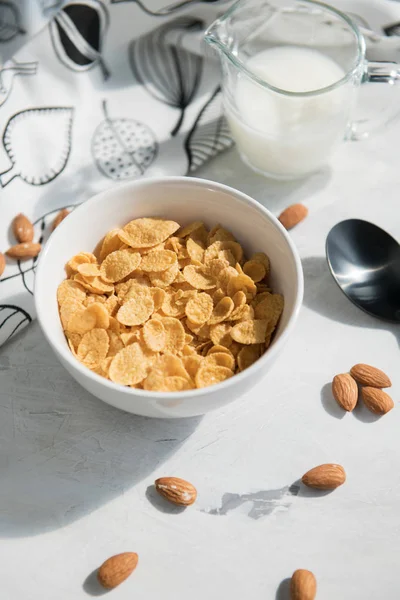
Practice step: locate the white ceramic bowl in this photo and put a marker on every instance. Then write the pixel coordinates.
(184, 200)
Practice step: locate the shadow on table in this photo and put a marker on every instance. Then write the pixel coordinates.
(283, 591)
(322, 295)
(63, 452)
(329, 403)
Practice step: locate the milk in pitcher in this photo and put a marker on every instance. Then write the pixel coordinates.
(289, 135)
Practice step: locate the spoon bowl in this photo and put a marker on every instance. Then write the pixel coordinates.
(365, 263)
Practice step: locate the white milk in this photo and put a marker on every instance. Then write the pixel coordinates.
(289, 136)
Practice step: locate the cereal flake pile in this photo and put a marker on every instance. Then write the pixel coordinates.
(165, 308)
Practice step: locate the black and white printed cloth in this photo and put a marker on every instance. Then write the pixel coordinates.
(94, 92)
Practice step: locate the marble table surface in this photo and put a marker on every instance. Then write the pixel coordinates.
(76, 474)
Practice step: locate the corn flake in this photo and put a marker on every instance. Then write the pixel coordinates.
(119, 264)
(89, 270)
(101, 315)
(131, 336)
(202, 331)
(116, 343)
(80, 259)
(219, 349)
(158, 261)
(141, 233)
(158, 295)
(220, 359)
(262, 258)
(94, 284)
(199, 309)
(248, 355)
(220, 334)
(70, 289)
(154, 335)
(174, 335)
(82, 321)
(195, 250)
(250, 332)
(217, 247)
(222, 235)
(164, 278)
(255, 270)
(244, 284)
(225, 276)
(222, 311)
(174, 304)
(199, 278)
(130, 366)
(93, 348)
(211, 374)
(192, 364)
(188, 229)
(136, 310)
(111, 243)
(270, 308)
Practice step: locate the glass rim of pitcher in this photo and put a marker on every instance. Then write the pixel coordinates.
(361, 47)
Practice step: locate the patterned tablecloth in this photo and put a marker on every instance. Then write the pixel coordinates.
(96, 92)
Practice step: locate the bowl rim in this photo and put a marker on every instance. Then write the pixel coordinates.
(268, 356)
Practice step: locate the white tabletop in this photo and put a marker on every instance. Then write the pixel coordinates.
(75, 472)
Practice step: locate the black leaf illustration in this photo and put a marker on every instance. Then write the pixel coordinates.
(26, 268)
(77, 32)
(9, 71)
(209, 135)
(123, 148)
(34, 158)
(168, 10)
(168, 71)
(393, 29)
(12, 319)
(10, 21)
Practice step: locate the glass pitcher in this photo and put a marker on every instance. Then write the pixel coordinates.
(292, 70)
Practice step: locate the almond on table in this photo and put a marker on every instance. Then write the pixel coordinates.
(22, 229)
(371, 376)
(161, 305)
(293, 215)
(176, 490)
(377, 401)
(60, 217)
(2, 263)
(325, 477)
(116, 569)
(303, 585)
(24, 251)
(345, 391)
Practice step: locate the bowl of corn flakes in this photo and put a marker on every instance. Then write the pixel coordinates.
(168, 297)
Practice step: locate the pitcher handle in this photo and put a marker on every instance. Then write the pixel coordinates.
(378, 72)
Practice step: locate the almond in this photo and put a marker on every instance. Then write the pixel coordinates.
(292, 215)
(325, 477)
(175, 490)
(116, 569)
(303, 585)
(22, 228)
(345, 391)
(27, 250)
(377, 401)
(2, 264)
(371, 376)
(60, 217)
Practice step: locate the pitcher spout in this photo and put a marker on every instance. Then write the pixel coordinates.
(218, 37)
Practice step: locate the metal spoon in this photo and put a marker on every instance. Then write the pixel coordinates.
(365, 263)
